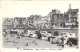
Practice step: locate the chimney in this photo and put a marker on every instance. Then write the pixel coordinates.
(69, 6)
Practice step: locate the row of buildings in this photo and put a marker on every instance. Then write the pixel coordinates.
(34, 21)
(68, 19)
(55, 19)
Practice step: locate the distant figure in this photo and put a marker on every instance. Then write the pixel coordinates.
(26, 44)
(33, 41)
(62, 38)
(64, 41)
(59, 40)
(39, 36)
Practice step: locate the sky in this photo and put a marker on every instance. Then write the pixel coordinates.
(27, 8)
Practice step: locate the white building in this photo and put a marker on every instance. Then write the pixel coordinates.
(42, 23)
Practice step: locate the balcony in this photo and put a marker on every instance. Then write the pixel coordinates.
(74, 10)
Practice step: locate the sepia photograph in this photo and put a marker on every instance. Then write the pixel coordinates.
(40, 25)
(54, 30)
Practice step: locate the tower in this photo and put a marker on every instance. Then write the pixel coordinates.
(69, 12)
(69, 6)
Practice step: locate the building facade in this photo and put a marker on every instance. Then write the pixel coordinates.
(8, 23)
(20, 22)
(42, 23)
(66, 20)
(56, 18)
(71, 17)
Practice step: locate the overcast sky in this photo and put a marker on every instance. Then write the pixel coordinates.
(25, 9)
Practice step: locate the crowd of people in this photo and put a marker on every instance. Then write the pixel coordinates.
(61, 40)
